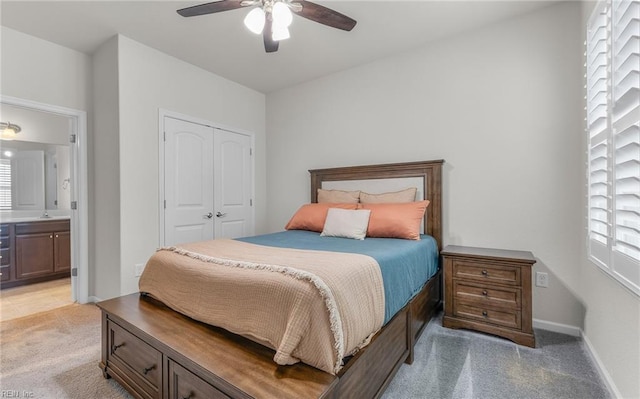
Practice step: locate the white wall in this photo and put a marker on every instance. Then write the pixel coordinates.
(37, 70)
(150, 80)
(105, 255)
(612, 320)
(501, 105)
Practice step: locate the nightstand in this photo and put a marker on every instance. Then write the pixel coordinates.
(489, 290)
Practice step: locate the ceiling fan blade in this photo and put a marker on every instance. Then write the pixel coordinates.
(270, 45)
(324, 15)
(213, 7)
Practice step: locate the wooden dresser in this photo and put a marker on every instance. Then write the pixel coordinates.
(489, 290)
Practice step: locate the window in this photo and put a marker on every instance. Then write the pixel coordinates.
(613, 126)
(5, 184)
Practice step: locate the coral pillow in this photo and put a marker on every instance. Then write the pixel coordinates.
(396, 220)
(312, 216)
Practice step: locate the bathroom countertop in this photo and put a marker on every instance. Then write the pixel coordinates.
(23, 219)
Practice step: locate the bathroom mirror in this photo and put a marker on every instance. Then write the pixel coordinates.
(34, 176)
(35, 163)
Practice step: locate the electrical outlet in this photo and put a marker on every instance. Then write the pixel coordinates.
(139, 268)
(542, 279)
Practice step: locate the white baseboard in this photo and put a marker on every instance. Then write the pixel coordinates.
(94, 299)
(577, 332)
(557, 327)
(604, 374)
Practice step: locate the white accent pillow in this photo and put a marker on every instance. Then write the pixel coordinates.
(346, 223)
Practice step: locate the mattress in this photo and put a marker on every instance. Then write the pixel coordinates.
(310, 298)
(406, 265)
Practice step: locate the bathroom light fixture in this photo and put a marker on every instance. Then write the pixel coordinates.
(9, 130)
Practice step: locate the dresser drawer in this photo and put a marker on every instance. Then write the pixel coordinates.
(135, 360)
(484, 295)
(504, 318)
(486, 271)
(185, 384)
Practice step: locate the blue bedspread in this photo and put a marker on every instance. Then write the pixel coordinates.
(405, 264)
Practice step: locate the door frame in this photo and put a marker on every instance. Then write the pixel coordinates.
(162, 113)
(79, 189)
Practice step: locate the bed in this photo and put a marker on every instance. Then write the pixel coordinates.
(362, 367)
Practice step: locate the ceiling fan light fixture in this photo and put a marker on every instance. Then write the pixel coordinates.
(280, 33)
(272, 18)
(282, 15)
(254, 21)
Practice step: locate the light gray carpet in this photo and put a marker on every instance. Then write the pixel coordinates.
(55, 355)
(465, 364)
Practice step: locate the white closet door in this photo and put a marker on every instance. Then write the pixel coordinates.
(233, 185)
(188, 174)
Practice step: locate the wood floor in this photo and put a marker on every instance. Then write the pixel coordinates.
(34, 298)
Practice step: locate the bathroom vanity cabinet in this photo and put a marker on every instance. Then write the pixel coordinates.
(35, 251)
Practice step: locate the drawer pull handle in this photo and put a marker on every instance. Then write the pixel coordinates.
(484, 313)
(146, 371)
(485, 293)
(484, 273)
(115, 347)
(188, 397)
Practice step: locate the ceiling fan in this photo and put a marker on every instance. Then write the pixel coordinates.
(272, 18)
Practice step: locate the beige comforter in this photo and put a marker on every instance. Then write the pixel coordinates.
(311, 306)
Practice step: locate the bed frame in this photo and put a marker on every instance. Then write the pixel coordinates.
(155, 352)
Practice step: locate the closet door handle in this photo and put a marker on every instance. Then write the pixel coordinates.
(220, 215)
(208, 215)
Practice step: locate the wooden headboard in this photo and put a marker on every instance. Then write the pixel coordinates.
(429, 171)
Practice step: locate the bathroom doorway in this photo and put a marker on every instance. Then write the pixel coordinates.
(54, 137)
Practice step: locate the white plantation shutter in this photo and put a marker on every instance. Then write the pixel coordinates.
(5, 184)
(597, 125)
(613, 124)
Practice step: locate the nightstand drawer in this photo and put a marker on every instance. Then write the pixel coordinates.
(486, 271)
(487, 296)
(504, 318)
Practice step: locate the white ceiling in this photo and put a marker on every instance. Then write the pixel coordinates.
(221, 44)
